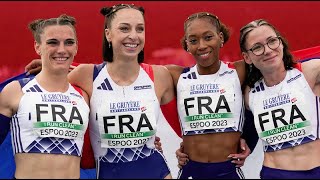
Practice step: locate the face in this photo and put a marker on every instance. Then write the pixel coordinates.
(204, 42)
(270, 59)
(58, 47)
(127, 34)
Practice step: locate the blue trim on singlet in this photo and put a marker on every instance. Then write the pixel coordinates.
(186, 75)
(185, 70)
(308, 59)
(20, 76)
(97, 68)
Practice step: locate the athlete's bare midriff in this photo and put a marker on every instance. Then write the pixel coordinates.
(47, 166)
(303, 157)
(210, 148)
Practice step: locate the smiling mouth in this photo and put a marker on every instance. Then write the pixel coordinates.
(131, 45)
(270, 58)
(204, 55)
(60, 58)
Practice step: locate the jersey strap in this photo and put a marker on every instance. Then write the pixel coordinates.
(298, 66)
(77, 88)
(148, 69)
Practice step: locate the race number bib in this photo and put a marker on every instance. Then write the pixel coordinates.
(208, 107)
(126, 124)
(283, 118)
(57, 116)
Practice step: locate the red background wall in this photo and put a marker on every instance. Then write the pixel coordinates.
(298, 21)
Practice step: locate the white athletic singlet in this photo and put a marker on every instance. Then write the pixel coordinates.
(49, 122)
(123, 119)
(285, 115)
(210, 103)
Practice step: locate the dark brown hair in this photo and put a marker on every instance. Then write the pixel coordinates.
(253, 74)
(37, 26)
(109, 13)
(213, 19)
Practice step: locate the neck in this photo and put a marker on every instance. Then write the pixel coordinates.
(214, 68)
(53, 82)
(123, 73)
(275, 77)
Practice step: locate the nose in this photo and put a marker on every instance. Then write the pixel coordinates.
(202, 44)
(61, 48)
(133, 35)
(267, 50)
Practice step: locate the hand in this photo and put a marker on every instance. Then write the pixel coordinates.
(157, 144)
(182, 157)
(34, 67)
(240, 158)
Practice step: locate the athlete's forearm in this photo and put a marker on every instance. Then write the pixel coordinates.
(249, 131)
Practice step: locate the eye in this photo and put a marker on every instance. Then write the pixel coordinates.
(140, 29)
(192, 41)
(52, 42)
(208, 37)
(257, 47)
(69, 42)
(273, 41)
(124, 29)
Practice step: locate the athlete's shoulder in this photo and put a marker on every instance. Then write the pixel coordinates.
(11, 87)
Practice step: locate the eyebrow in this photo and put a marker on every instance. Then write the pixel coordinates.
(204, 33)
(54, 39)
(140, 24)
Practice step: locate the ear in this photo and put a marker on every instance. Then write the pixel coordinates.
(37, 48)
(221, 38)
(187, 45)
(246, 58)
(107, 34)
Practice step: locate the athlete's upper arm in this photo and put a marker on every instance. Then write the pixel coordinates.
(241, 70)
(9, 98)
(246, 97)
(175, 72)
(311, 71)
(82, 76)
(163, 84)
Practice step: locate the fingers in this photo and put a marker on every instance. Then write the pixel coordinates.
(182, 157)
(244, 147)
(33, 67)
(158, 144)
(157, 138)
(237, 159)
(34, 70)
(182, 161)
(180, 154)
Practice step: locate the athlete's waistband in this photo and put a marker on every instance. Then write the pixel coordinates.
(116, 155)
